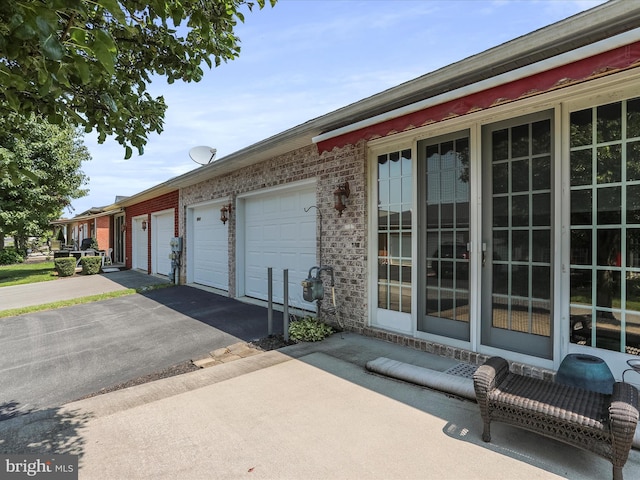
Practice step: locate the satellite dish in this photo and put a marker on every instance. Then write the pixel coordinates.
(202, 155)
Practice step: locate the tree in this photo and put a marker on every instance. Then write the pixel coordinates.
(51, 157)
(88, 62)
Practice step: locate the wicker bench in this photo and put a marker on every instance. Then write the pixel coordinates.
(600, 423)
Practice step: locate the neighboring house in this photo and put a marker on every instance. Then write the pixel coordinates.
(151, 221)
(94, 223)
(493, 208)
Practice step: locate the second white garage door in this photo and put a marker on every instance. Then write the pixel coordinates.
(162, 231)
(209, 244)
(278, 233)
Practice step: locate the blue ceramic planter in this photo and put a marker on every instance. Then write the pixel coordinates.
(585, 371)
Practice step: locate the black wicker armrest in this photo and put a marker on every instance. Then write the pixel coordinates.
(623, 415)
(489, 375)
(485, 379)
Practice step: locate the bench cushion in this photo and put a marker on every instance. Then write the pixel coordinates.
(563, 403)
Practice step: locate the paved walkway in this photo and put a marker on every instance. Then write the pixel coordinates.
(78, 286)
(308, 411)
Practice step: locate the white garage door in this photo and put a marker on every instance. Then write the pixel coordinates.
(140, 244)
(279, 234)
(210, 244)
(162, 229)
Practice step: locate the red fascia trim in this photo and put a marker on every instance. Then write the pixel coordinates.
(617, 59)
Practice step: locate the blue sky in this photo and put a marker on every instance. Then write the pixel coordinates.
(303, 59)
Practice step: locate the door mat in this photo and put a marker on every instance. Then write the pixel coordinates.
(110, 270)
(465, 370)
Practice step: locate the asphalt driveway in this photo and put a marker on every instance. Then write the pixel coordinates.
(53, 357)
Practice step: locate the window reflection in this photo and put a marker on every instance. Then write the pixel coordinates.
(446, 170)
(605, 254)
(394, 231)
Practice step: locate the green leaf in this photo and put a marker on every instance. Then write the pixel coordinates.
(105, 57)
(78, 36)
(84, 72)
(52, 48)
(105, 39)
(114, 8)
(108, 101)
(127, 152)
(55, 119)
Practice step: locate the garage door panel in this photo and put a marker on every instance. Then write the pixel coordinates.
(281, 235)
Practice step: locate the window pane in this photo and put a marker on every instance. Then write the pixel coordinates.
(462, 214)
(581, 167)
(500, 212)
(581, 207)
(608, 252)
(520, 141)
(541, 173)
(541, 246)
(541, 137)
(407, 190)
(500, 279)
(633, 254)
(433, 216)
(541, 209)
(581, 286)
(608, 288)
(520, 280)
(609, 164)
(609, 206)
(500, 143)
(609, 122)
(500, 178)
(633, 118)
(581, 249)
(520, 210)
(633, 161)
(383, 192)
(446, 215)
(520, 246)
(633, 204)
(395, 190)
(581, 128)
(383, 167)
(633, 334)
(608, 330)
(633, 295)
(383, 292)
(520, 176)
(541, 282)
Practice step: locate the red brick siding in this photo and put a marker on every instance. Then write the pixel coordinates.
(103, 232)
(157, 204)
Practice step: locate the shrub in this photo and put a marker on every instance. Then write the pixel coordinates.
(94, 244)
(91, 265)
(309, 329)
(65, 266)
(9, 256)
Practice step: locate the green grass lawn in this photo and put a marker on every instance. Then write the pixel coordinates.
(22, 273)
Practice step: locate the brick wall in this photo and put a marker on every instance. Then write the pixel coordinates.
(344, 239)
(103, 232)
(157, 204)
